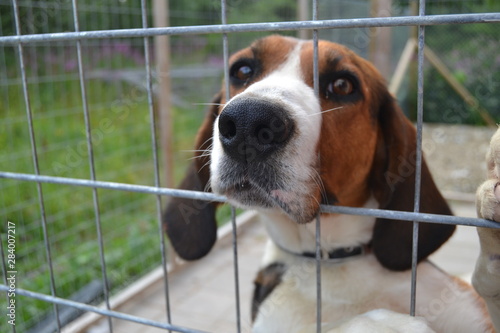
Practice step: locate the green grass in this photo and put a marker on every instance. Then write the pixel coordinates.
(122, 150)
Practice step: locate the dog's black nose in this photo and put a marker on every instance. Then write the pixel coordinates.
(251, 129)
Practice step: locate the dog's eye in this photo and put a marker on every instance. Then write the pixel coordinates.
(244, 73)
(241, 72)
(341, 86)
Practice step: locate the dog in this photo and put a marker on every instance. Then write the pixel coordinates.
(279, 147)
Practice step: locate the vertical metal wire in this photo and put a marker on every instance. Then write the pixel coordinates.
(35, 162)
(315, 50)
(225, 49)
(318, 217)
(90, 150)
(236, 269)
(418, 162)
(318, 273)
(154, 146)
(4, 270)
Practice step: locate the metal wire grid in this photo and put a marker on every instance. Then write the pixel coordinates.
(20, 40)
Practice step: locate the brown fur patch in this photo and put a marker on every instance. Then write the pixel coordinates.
(267, 279)
(348, 134)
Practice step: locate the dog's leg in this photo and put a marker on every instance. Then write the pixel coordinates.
(486, 278)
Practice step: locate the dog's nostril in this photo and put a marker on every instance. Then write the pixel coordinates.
(274, 132)
(228, 129)
(264, 134)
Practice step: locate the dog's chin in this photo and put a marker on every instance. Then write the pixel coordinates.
(250, 196)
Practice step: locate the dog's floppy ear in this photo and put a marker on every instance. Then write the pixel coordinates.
(393, 181)
(190, 224)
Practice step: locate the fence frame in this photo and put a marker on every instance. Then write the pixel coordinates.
(421, 21)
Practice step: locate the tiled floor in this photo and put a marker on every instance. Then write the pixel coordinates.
(202, 294)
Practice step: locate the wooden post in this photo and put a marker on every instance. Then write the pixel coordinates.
(163, 95)
(381, 38)
(164, 105)
(304, 14)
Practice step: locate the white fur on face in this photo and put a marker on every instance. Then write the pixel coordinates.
(295, 168)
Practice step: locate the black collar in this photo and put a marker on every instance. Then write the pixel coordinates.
(337, 255)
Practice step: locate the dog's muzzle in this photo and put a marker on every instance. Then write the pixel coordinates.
(255, 160)
(252, 129)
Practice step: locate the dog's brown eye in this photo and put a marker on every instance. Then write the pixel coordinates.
(340, 86)
(243, 73)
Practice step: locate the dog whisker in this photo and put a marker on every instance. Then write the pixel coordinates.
(315, 199)
(306, 116)
(205, 154)
(206, 141)
(207, 185)
(204, 165)
(193, 150)
(325, 111)
(316, 178)
(195, 157)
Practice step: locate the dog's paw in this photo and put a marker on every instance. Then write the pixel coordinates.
(488, 194)
(382, 321)
(493, 156)
(488, 200)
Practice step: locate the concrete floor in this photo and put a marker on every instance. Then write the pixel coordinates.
(202, 293)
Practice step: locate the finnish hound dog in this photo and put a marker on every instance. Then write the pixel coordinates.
(278, 147)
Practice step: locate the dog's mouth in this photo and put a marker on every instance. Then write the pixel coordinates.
(248, 193)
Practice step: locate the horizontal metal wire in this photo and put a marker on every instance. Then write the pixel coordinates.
(411, 216)
(115, 186)
(104, 312)
(267, 26)
(379, 213)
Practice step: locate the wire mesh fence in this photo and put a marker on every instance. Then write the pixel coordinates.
(77, 116)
